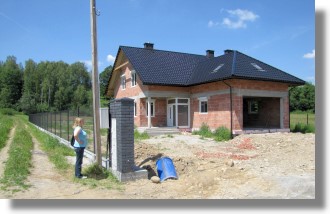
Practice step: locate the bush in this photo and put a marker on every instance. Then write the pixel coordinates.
(97, 172)
(222, 134)
(8, 111)
(304, 128)
(309, 128)
(298, 127)
(205, 131)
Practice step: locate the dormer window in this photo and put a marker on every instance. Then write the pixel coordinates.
(257, 67)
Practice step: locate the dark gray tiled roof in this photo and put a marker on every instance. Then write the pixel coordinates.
(162, 67)
(158, 67)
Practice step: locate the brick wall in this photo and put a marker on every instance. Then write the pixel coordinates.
(160, 119)
(218, 104)
(129, 91)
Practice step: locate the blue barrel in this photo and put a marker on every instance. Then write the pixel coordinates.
(166, 169)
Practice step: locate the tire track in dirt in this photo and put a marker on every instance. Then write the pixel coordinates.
(4, 156)
(46, 182)
(4, 151)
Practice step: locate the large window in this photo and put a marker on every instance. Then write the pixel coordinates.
(203, 105)
(152, 109)
(123, 82)
(133, 77)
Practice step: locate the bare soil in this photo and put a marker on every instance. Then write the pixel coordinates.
(274, 165)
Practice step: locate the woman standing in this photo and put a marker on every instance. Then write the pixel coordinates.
(79, 145)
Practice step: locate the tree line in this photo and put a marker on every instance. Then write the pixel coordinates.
(47, 85)
(302, 98)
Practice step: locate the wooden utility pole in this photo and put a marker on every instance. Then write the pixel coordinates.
(96, 90)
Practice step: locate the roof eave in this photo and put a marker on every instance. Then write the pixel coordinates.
(297, 83)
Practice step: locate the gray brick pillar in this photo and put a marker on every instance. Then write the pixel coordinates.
(122, 141)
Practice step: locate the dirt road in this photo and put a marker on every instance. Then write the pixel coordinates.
(276, 165)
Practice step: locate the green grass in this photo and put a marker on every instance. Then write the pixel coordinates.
(18, 164)
(98, 176)
(56, 151)
(140, 136)
(6, 123)
(19, 160)
(302, 122)
(220, 134)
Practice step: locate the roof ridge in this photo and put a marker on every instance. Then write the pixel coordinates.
(162, 50)
(233, 66)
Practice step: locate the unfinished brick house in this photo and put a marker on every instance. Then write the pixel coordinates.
(173, 89)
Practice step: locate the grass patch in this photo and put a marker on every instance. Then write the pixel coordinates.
(56, 151)
(140, 136)
(303, 122)
(303, 128)
(6, 124)
(220, 134)
(98, 176)
(104, 132)
(8, 111)
(19, 161)
(302, 118)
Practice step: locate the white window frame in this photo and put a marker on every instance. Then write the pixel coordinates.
(133, 83)
(152, 103)
(203, 99)
(123, 86)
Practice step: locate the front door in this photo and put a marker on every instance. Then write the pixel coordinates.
(170, 114)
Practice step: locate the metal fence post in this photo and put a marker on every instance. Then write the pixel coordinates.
(55, 123)
(47, 121)
(51, 122)
(68, 124)
(42, 120)
(60, 125)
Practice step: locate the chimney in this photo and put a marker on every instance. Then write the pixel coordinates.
(209, 53)
(228, 51)
(149, 45)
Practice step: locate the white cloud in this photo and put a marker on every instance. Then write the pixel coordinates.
(310, 55)
(238, 18)
(89, 64)
(110, 58)
(212, 23)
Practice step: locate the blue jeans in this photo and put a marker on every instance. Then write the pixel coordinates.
(79, 160)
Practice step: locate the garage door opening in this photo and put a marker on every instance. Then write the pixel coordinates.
(261, 113)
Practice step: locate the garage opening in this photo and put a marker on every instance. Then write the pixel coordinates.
(261, 113)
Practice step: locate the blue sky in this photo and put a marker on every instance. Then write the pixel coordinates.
(278, 32)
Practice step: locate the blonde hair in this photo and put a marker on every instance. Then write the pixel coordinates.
(77, 122)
